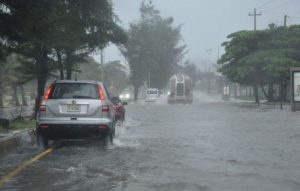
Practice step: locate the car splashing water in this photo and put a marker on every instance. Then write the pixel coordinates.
(123, 137)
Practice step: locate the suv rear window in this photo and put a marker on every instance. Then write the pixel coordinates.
(74, 90)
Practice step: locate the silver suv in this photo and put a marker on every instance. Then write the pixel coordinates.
(75, 110)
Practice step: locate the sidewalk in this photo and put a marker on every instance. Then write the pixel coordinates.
(11, 140)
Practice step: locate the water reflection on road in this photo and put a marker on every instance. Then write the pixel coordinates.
(209, 145)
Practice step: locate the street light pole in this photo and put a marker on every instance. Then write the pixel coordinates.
(208, 51)
(149, 80)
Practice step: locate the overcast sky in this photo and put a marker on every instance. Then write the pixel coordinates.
(206, 23)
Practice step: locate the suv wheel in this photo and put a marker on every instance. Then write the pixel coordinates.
(108, 139)
(43, 141)
(114, 132)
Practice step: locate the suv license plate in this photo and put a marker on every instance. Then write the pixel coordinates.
(73, 108)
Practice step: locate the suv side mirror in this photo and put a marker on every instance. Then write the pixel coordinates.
(124, 103)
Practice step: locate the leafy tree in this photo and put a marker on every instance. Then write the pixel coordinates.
(89, 70)
(115, 77)
(242, 43)
(3, 55)
(83, 27)
(57, 30)
(10, 76)
(262, 57)
(191, 70)
(153, 48)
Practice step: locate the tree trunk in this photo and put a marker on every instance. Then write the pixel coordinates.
(136, 91)
(24, 101)
(69, 65)
(15, 95)
(255, 91)
(42, 71)
(285, 91)
(270, 92)
(264, 92)
(281, 95)
(235, 90)
(1, 99)
(60, 64)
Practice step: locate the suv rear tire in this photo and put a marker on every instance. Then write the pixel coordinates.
(108, 139)
(43, 141)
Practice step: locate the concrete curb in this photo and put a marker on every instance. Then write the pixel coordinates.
(12, 141)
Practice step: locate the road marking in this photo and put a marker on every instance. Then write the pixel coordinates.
(6, 178)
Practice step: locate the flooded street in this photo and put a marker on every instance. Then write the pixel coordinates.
(150, 95)
(210, 145)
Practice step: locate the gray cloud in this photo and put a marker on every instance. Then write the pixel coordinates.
(206, 23)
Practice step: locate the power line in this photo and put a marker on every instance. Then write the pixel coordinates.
(296, 14)
(276, 7)
(268, 2)
(245, 21)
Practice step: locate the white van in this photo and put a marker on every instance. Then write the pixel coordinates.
(151, 95)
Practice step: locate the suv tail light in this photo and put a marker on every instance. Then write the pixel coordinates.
(48, 91)
(42, 106)
(46, 97)
(44, 126)
(102, 126)
(101, 93)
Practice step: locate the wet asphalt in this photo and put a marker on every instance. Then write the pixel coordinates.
(211, 145)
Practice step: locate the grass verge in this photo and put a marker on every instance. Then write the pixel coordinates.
(22, 124)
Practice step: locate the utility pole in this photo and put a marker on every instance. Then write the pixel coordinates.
(281, 84)
(255, 15)
(285, 19)
(255, 87)
(149, 80)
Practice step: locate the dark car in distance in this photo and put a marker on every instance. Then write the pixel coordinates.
(119, 108)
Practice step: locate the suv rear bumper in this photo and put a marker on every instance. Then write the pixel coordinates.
(73, 131)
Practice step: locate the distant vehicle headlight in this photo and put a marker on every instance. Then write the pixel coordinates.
(169, 93)
(127, 96)
(121, 96)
